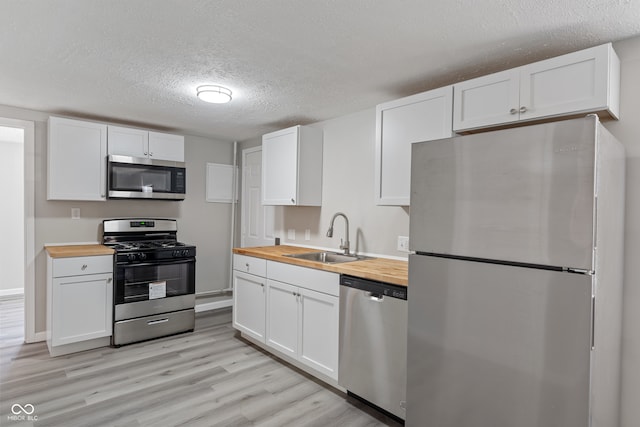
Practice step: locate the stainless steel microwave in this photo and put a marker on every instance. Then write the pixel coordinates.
(139, 178)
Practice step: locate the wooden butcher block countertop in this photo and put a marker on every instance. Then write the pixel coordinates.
(381, 269)
(68, 251)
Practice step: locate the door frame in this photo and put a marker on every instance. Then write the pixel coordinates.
(29, 223)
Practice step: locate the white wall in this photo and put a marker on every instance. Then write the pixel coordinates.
(12, 211)
(627, 130)
(206, 225)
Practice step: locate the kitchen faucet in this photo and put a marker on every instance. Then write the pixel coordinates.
(343, 245)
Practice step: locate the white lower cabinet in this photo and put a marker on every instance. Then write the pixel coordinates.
(79, 303)
(293, 310)
(304, 325)
(249, 304)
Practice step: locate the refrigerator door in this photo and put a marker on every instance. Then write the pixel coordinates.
(492, 345)
(520, 195)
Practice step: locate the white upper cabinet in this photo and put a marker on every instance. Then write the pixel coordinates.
(145, 144)
(292, 167)
(128, 141)
(422, 117)
(166, 146)
(77, 152)
(581, 82)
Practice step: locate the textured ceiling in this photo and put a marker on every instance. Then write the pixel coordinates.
(287, 61)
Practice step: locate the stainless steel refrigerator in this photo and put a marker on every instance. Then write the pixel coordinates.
(516, 281)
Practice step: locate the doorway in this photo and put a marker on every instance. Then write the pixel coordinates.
(17, 161)
(257, 220)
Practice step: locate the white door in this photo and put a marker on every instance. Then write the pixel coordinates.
(319, 317)
(127, 141)
(249, 304)
(82, 308)
(165, 146)
(282, 317)
(257, 220)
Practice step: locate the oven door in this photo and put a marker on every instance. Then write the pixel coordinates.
(154, 281)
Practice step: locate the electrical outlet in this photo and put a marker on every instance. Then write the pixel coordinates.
(403, 243)
(75, 213)
(307, 234)
(291, 234)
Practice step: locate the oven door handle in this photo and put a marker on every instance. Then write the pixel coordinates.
(155, 322)
(161, 262)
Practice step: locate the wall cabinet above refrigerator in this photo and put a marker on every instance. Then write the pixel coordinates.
(581, 82)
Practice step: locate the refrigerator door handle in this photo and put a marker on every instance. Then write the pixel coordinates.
(593, 322)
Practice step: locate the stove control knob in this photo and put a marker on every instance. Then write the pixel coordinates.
(175, 254)
(131, 257)
(185, 252)
(142, 256)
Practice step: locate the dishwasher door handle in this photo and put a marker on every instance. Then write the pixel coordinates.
(374, 296)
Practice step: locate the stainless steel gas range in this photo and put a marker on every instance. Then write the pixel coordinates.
(154, 279)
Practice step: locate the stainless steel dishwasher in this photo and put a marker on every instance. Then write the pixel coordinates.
(373, 342)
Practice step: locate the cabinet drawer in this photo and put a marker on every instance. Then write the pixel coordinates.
(75, 266)
(247, 264)
(310, 278)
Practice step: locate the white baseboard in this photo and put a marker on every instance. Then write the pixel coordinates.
(11, 292)
(39, 336)
(214, 305)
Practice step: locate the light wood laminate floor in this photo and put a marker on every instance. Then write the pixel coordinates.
(209, 377)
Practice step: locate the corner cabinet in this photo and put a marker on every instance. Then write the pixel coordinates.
(76, 158)
(582, 82)
(292, 167)
(422, 117)
(79, 303)
(145, 144)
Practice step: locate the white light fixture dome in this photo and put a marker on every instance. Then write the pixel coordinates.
(214, 94)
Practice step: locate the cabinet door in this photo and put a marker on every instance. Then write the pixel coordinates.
(282, 317)
(77, 154)
(128, 141)
(82, 308)
(249, 304)
(164, 146)
(319, 320)
(573, 83)
(486, 100)
(422, 117)
(280, 167)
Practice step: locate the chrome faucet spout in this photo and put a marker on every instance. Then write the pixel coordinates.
(344, 244)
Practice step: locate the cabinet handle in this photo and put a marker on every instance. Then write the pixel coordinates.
(151, 153)
(109, 280)
(293, 201)
(523, 109)
(247, 265)
(84, 267)
(513, 111)
(146, 154)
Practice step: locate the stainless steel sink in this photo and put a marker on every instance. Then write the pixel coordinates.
(328, 257)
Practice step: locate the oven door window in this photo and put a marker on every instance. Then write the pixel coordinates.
(141, 282)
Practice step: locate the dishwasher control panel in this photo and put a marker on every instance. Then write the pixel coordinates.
(375, 287)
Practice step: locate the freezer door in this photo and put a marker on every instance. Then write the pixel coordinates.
(521, 195)
(497, 346)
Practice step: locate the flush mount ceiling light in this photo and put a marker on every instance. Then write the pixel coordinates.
(214, 94)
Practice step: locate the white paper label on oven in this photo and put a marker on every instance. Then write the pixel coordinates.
(157, 289)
